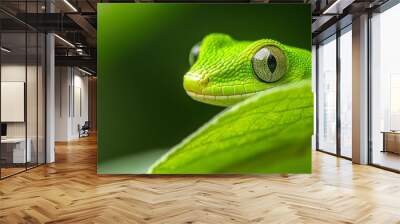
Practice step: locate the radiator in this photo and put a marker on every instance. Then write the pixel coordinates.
(391, 142)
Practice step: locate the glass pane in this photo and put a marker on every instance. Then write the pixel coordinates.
(22, 90)
(385, 115)
(41, 98)
(327, 96)
(14, 153)
(346, 93)
(32, 95)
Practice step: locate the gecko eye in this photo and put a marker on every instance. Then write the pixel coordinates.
(194, 54)
(269, 64)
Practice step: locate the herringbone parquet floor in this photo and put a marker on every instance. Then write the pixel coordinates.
(69, 191)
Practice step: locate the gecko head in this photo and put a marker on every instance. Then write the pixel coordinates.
(225, 71)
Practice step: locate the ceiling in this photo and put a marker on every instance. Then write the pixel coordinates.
(74, 22)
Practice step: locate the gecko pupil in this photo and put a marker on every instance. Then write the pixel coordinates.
(271, 62)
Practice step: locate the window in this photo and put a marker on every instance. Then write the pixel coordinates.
(385, 89)
(334, 106)
(345, 43)
(327, 95)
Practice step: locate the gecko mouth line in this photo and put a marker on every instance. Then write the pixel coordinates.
(211, 97)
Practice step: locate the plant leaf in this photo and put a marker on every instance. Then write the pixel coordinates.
(267, 133)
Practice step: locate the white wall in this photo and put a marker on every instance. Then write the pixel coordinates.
(71, 102)
(13, 72)
(80, 110)
(62, 82)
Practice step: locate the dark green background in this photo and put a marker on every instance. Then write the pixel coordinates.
(143, 54)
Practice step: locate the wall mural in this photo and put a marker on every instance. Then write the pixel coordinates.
(204, 89)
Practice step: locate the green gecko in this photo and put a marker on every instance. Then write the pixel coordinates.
(268, 123)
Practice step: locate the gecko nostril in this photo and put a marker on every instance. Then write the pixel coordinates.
(194, 82)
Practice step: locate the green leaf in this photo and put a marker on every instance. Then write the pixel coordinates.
(267, 133)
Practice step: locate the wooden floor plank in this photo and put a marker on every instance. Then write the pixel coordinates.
(70, 191)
